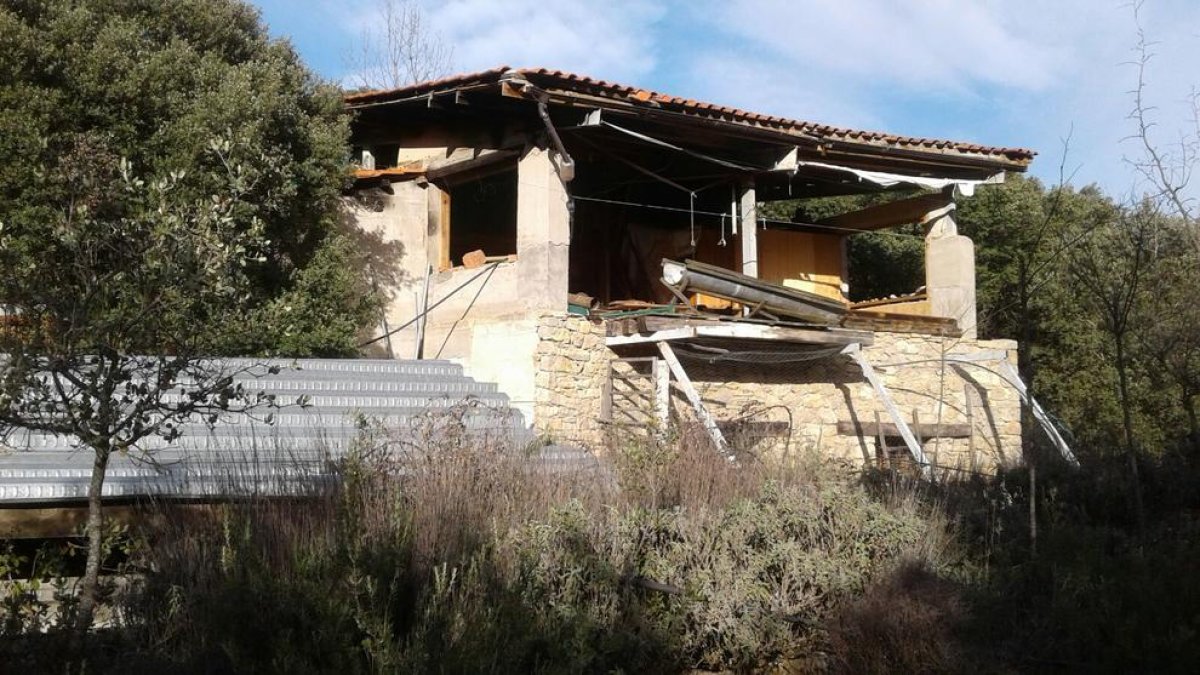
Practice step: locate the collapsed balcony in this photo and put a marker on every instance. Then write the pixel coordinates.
(681, 231)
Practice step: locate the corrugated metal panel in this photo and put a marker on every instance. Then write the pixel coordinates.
(240, 453)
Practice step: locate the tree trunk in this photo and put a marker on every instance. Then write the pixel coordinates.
(1130, 443)
(1026, 369)
(1189, 404)
(95, 535)
(1025, 364)
(1033, 529)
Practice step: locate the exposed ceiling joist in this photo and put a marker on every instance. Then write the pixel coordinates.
(891, 214)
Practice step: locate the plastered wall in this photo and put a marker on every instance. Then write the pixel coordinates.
(483, 318)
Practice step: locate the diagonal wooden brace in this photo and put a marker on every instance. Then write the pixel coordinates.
(854, 351)
(685, 384)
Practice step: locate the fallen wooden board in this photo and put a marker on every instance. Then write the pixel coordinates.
(885, 322)
(653, 328)
(923, 430)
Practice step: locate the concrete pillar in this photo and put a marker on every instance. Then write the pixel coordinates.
(950, 274)
(748, 215)
(543, 232)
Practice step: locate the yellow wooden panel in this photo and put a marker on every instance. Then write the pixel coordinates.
(803, 260)
(907, 308)
(709, 250)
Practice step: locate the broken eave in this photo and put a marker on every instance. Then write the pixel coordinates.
(565, 92)
(407, 171)
(575, 90)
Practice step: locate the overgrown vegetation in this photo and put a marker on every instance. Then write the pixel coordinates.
(169, 161)
(443, 553)
(453, 556)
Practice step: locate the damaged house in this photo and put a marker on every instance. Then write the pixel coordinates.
(598, 251)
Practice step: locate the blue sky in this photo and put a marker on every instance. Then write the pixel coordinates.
(1000, 72)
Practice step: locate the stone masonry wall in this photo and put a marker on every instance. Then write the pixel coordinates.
(810, 396)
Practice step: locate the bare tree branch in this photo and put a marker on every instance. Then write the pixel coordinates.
(1169, 173)
(401, 49)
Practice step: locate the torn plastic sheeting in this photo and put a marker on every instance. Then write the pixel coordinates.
(883, 179)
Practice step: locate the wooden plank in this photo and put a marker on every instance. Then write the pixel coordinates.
(901, 323)
(752, 332)
(851, 428)
(970, 423)
(53, 521)
(757, 331)
(476, 159)
(891, 214)
(884, 302)
(662, 395)
(652, 337)
(685, 384)
(855, 353)
(606, 407)
(638, 398)
(422, 314)
(443, 221)
(881, 444)
(755, 429)
(806, 261)
(630, 377)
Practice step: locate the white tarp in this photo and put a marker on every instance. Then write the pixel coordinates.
(965, 187)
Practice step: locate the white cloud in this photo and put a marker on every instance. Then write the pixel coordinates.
(766, 86)
(613, 39)
(1027, 71)
(999, 72)
(940, 43)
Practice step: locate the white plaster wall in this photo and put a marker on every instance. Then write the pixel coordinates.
(486, 319)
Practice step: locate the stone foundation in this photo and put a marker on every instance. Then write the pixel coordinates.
(807, 397)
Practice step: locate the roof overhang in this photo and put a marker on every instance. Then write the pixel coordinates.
(815, 145)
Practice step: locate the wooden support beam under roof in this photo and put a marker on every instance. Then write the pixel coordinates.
(891, 214)
(643, 329)
(469, 165)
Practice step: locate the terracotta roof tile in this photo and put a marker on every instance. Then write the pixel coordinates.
(549, 78)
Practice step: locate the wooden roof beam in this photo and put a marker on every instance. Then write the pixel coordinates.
(891, 214)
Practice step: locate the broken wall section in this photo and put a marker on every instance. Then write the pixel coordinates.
(809, 398)
(485, 317)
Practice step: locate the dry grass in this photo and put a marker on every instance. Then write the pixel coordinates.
(440, 548)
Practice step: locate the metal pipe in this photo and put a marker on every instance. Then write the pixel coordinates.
(750, 292)
(566, 164)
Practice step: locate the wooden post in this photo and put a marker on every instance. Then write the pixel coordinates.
(920, 438)
(685, 383)
(662, 395)
(606, 400)
(971, 425)
(1033, 529)
(421, 318)
(884, 459)
(854, 351)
